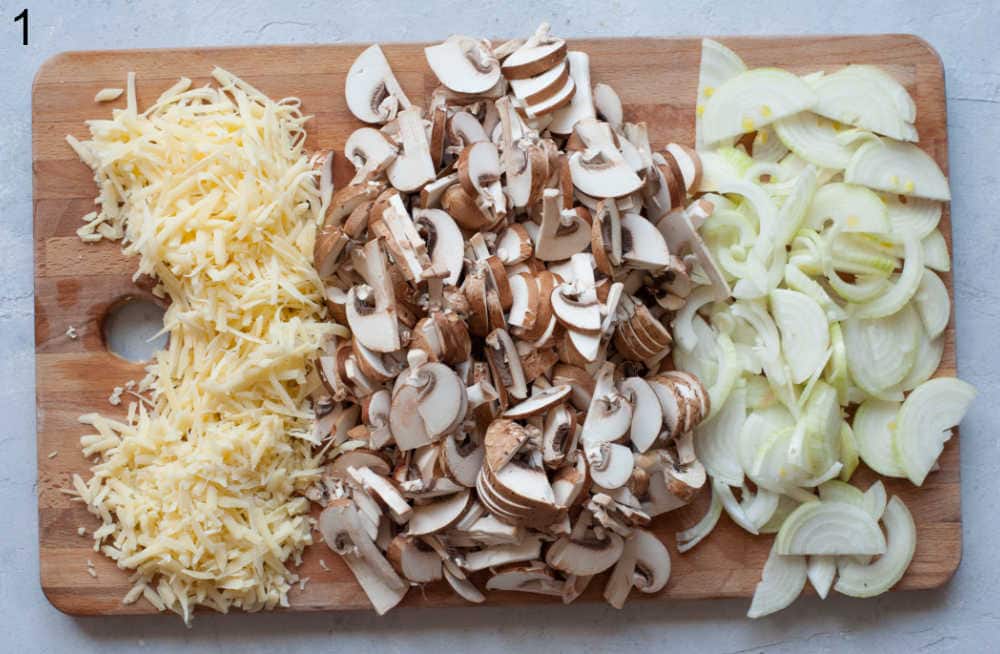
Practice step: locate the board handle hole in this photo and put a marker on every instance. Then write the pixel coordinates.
(129, 327)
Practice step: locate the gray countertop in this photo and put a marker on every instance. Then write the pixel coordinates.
(962, 617)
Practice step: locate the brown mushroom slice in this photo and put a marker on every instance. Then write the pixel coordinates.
(582, 105)
(412, 559)
(570, 481)
(538, 403)
(399, 509)
(688, 162)
(463, 208)
(505, 364)
(479, 173)
(438, 515)
(464, 588)
(685, 481)
(673, 177)
(371, 152)
(678, 231)
(530, 548)
(585, 556)
(376, 366)
(642, 244)
(562, 233)
(534, 577)
(574, 586)
(404, 241)
(358, 458)
(661, 500)
(539, 53)
(610, 464)
(524, 301)
(443, 400)
(443, 241)
(413, 167)
(541, 87)
(608, 105)
(558, 436)
(465, 130)
(691, 387)
(464, 64)
(647, 416)
(345, 201)
(328, 252)
(672, 405)
(656, 195)
(513, 515)
(490, 530)
(606, 236)
(370, 309)
(524, 483)
(503, 439)
(579, 379)
(609, 414)
(645, 564)
(638, 135)
(601, 171)
(376, 417)
(558, 100)
(514, 245)
(433, 192)
(577, 310)
(463, 459)
(372, 93)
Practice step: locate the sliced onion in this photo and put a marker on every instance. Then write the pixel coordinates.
(690, 537)
(897, 168)
(716, 441)
(875, 499)
(929, 354)
(820, 447)
(853, 208)
(718, 65)
(797, 280)
(925, 423)
(880, 351)
(821, 570)
(757, 431)
(793, 210)
(848, 451)
(893, 299)
(781, 582)
(836, 367)
(761, 506)
(882, 574)
(767, 146)
(833, 528)
(805, 334)
(864, 100)
(751, 100)
(912, 215)
(935, 249)
(874, 426)
(684, 333)
(732, 506)
(838, 491)
(814, 139)
(786, 505)
(933, 303)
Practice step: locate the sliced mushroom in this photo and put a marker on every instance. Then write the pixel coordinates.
(479, 173)
(328, 253)
(464, 209)
(647, 416)
(642, 244)
(438, 515)
(678, 231)
(570, 481)
(514, 245)
(443, 240)
(373, 95)
(413, 167)
(358, 458)
(538, 403)
(610, 464)
(609, 414)
(645, 564)
(582, 104)
(464, 588)
(414, 560)
(524, 301)
(585, 556)
(432, 193)
(464, 130)
(558, 435)
(688, 162)
(539, 53)
(462, 459)
(464, 64)
(506, 364)
(608, 105)
(371, 309)
(541, 87)
(371, 152)
(562, 233)
(600, 170)
(376, 417)
(534, 577)
(497, 555)
(558, 100)
(383, 488)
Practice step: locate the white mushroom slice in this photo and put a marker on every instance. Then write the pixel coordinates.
(533, 577)
(383, 488)
(464, 588)
(489, 530)
(685, 481)
(373, 95)
(678, 230)
(610, 464)
(431, 194)
(514, 245)
(413, 167)
(610, 413)
(557, 101)
(371, 152)
(503, 439)
(506, 363)
(346, 200)
(465, 130)
(585, 556)
(328, 253)
(416, 562)
(574, 586)
(569, 483)
(689, 163)
(464, 64)
(660, 499)
(341, 527)
(647, 416)
(562, 233)
(539, 53)
(371, 310)
(539, 402)
(603, 173)
(533, 90)
(577, 314)
(479, 173)
(404, 241)
(377, 419)
(524, 302)
(558, 436)
(444, 242)
(443, 400)
(527, 550)
(642, 244)
(608, 105)
(462, 459)
(524, 482)
(582, 104)
(645, 564)
(359, 458)
(375, 366)
(438, 515)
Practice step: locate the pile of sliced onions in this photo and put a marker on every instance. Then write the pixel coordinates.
(826, 229)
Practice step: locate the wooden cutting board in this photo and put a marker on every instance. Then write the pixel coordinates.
(76, 283)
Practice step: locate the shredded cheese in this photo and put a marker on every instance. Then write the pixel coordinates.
(199, 489)
(108, 94)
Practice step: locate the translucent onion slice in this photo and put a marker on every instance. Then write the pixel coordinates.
(897, 168)
(836, 367)
(854, 208)
(838, 491)
(781, 582)
(914, 215)
(821, 570)
(875, 499)
(767, 146)
(859, 98)
(758, 429)
(936, 256)
(761, 506)
(820, 447)
(751, 100)
(684, 333)
(730, 368)
(793, 209)
(848, 451)
(719, 64)
(690, 537)
(805, 334)
(874, 426)
(929, 353)
(904, 288)
(732, 506)
(814, 139)
(772, 468)
(797, 280)
(925, 423)
(786, 505)
(716, 441)
(880, 351)
(933, 303)
(877, 577)
(833, 528)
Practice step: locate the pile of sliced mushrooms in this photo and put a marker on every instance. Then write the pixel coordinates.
(505, 415)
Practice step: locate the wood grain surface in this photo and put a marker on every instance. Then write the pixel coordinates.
(75, 283)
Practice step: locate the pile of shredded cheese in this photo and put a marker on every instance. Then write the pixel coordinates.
(199, 488)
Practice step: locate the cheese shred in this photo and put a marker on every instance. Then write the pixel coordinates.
(199, 490)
